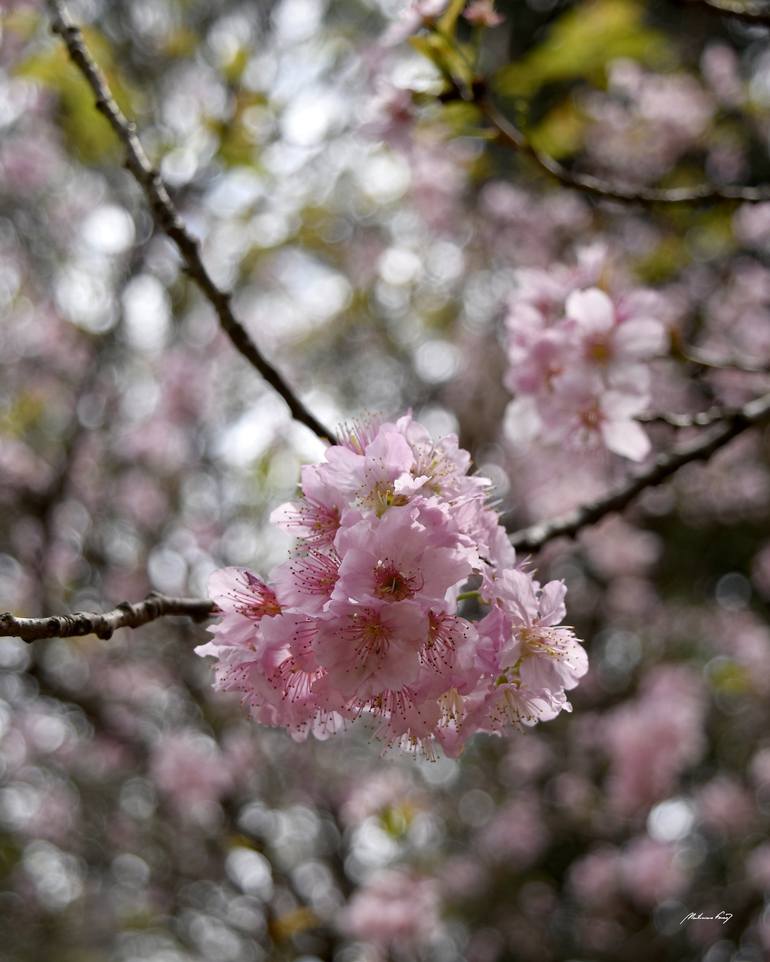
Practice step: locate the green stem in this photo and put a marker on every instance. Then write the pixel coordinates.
(467, 595)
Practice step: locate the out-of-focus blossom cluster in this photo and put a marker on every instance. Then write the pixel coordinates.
(365, 619)
(577, 348)
(645, 121)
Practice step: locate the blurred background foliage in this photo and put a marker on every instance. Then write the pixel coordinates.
(371, 253)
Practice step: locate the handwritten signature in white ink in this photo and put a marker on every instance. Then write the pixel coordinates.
(722, 917)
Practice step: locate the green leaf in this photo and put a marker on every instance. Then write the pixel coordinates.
(560, 132)
(664, 262)
(581, 43)
(462, 119)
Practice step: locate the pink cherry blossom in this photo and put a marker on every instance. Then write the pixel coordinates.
(482, 13)
(578, 356)
(395, 908)
(366, 619)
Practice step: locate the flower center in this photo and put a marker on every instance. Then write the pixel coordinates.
(392, 584)
(599, 352)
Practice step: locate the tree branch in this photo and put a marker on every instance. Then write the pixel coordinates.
(664, 466)
(532, 538)
(745, 365)
(167, 217)
(126, 615)
(696, 419)
(587, 183)
(748, 12)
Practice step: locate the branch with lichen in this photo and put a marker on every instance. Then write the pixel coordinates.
(125, 615)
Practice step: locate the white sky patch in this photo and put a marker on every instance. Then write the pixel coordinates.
(250, 871)
(83, 294)
(234, 192)
(253, 433)
(147, 313)
(297, 20)
(309, 294)
(310, 117)
(400, 266)
(446, 261)
(671, 821)
(384, 177)
(109, 229)
(436, 361)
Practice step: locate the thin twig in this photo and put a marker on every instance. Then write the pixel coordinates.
(126, 615)
(695, 419)
(664, 466)
(167, 217)
(511, 135)
(748, 12)
(745, 365)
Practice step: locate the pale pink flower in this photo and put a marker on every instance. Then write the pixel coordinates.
(482, 13)
(651, 872)
(578, 357)
(594, 878)
(516, 834)
(370, 652)
(653, 738)
(307, 581)
(724, 804)
(611, 334)
(400, 558)
(394, 908)
(758, 866)
(416, 14)
(191, 771)
(243, 600)
(391, 118)
(366, 618)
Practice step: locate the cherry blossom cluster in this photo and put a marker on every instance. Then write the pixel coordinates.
(369, 615)
(645, 122)
(577, 352)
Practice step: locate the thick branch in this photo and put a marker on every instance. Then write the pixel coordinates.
(168, 219)
(125, 615)
(665, 465)
(511, 135)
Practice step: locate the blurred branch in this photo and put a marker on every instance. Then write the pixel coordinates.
(168, 219)
(126, 615)
(695, 419)
(751, 13)
(510, 134)
(725, 363)
(664, 466)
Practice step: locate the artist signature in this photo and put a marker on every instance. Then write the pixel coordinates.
(698, 916)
